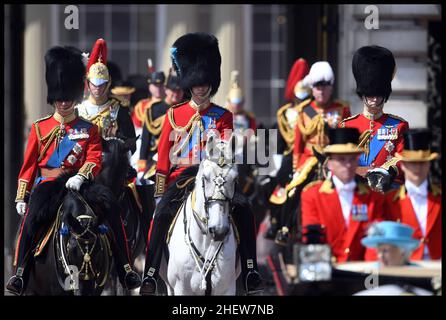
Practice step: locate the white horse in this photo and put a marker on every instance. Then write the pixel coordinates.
(203, 242)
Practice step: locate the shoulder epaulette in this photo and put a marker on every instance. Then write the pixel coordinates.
(396, 117)
(44, 118)
(312, 183)
(303, 104)
(178, 104)
(283, 108)
(348, 119)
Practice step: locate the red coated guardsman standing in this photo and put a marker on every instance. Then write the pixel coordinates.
(59, 143)
(417, 202)
(341, 204)
(381, 134)
(196, 59)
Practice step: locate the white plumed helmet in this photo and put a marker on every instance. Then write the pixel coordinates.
(319, 71)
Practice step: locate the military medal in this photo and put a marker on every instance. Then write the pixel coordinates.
(388, 133)
(212, 124)
(77, 148)
(389, 146)
(71, 159)
(359, 212)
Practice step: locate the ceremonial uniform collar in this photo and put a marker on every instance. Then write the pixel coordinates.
(66, 119)
(94, 102)
(200, 107)
(370, 116)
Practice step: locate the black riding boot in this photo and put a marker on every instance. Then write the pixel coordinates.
(156, 239)
(244, 220)
(17, 283)
(128, 277)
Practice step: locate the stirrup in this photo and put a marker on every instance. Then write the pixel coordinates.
(14, 289)
(132, 280)
(149, 286)
(258, 287)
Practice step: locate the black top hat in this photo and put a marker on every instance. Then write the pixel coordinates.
(343, 140)
(417, 146)
(196, 60)
(373, 68)
(64, 74)
(156, 77)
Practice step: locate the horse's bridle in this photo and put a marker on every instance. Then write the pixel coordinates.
(217, 195)
(86, 263)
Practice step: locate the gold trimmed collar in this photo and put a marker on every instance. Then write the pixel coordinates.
(66, 119)
(370, 116)
(200, 107)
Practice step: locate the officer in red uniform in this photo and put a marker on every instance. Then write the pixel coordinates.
(157, 91)
(153, 122)
(295, 94)
(417, 202)
(381, 134)
(196, 59)
(314, 116)
(341, 204)
(60, 143)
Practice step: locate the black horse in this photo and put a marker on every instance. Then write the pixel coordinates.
(77, 257)
(114, 174)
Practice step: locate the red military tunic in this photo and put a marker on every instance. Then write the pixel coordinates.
(399, 206)
(138, 113)
(184, 118)
(321, 205)
(382, 137)
(79, 150)
(310, 131)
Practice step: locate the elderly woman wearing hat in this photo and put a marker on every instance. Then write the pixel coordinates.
(394, 242)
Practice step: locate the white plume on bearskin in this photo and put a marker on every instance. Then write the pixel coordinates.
(319, 71)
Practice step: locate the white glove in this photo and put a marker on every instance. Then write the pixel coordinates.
(74, 183)
(380, 170)
(21, 208)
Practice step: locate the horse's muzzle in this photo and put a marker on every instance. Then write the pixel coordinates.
(218, 234)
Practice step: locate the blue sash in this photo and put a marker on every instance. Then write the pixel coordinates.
(65, 146)
(376, 145)
(213, 115)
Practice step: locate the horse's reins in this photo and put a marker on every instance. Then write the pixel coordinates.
(86, 263)
(207, 265)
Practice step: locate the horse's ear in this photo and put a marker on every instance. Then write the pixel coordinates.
(130, 143)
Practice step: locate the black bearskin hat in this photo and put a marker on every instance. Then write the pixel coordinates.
(196, 60)
(65, 72)
(373, 68)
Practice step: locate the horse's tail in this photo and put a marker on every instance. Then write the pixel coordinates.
(44, 202)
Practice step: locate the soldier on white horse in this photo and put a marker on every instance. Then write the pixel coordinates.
(196, 59)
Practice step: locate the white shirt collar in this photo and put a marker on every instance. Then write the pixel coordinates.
(420, 190)
(340, 186)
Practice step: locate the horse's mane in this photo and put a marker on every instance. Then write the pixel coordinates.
(114, 168)
(48, 196)
(173, 193)
(45, 200)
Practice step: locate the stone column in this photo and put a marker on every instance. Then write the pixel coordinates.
(227, 26)
(37, 42)
(176, 21)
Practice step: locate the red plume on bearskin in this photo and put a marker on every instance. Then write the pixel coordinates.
(99, 51)
(298, 72)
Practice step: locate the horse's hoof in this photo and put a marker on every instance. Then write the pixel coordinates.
(148, 287)
(132, 280)
(15, 285)
(254, 283)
